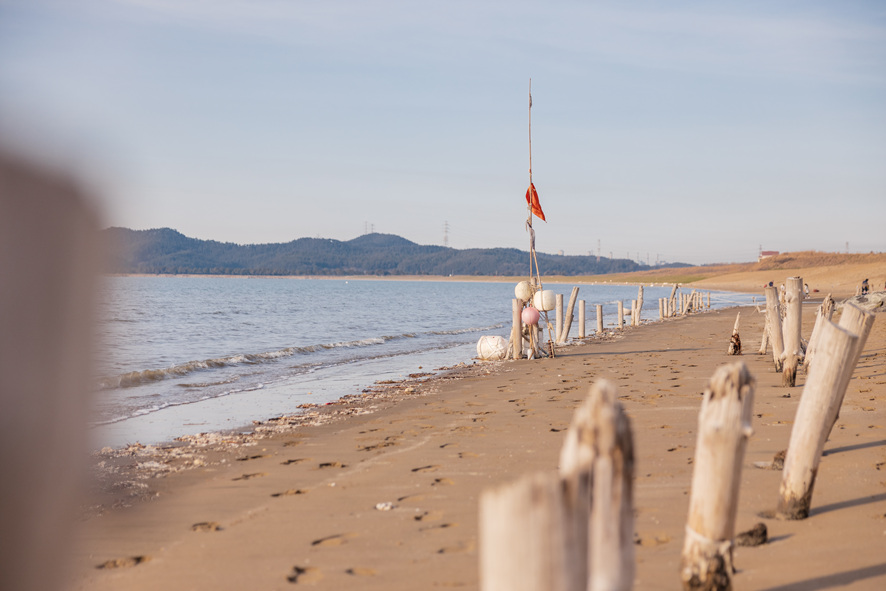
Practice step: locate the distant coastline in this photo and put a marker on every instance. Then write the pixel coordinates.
(839, 274)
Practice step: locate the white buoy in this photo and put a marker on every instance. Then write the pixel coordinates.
(523, 291)
(492, 348)
(544, 300)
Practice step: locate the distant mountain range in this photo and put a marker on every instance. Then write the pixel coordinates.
(166, 251)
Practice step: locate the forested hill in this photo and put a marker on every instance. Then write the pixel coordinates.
(167, 251)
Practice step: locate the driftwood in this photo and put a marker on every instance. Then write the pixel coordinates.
(791, 330)
(819, 405)
(724, 425)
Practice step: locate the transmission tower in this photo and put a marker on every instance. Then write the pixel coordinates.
(446, 234)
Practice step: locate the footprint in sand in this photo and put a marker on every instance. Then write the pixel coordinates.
(468, 454)
(206, 526)
(429, 516)
(411, 499)
(440, 527)
(330, 541)
(250, 476)
(461, 547)
(294, 461)
(291, 492)
(442, 482)
(256, 457)
(361, 571)
(292, 443)
(430, 468)
(305, 574)
(123, 562)
(332, 465)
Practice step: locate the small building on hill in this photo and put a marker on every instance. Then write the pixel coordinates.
(765, 254)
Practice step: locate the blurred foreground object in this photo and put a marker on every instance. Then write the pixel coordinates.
(49, 258)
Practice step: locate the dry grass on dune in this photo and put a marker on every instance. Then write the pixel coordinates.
(783, 263)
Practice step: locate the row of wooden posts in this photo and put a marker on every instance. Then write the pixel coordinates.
(667, 308)
(573, 530)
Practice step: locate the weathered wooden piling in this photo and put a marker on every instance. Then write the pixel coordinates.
(567, 320)
(825, 312)
(533, 535)
(599, 447)
(599, 310)
(621, 314)
(516, 328)
(816, 412)
(724, 426)
(791, 330)
(581, 319)
(858, 322)
(764, 340)
(571, 531)
(559, 317)
(773, 314)
(735, 341)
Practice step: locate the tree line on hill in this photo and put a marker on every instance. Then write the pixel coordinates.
(167, 251)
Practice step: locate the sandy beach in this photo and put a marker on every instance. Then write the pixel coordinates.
(380, 490)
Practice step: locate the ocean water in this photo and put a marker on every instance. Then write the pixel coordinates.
(184, 355)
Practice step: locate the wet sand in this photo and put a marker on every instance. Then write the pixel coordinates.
(383, 492)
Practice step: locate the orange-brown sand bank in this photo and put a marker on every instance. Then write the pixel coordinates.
(381, 491)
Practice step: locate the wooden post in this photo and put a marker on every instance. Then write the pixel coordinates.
(661, 309)
(672, 300)
(791, 330)
(858, 322)
(639, 305)
(633, 312)
(516, 328)
(559, 318)
(724, 425)
(581, 319)
(621, 314)
(599, 449)
(533, 535)
(764, 340)
(815, 414)
(709, 300)
(599, 319)
(50, 254)
(825, 312)
(567, 321)
(735, 341)
(774, 316)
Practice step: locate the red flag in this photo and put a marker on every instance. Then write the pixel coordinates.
(532, 200)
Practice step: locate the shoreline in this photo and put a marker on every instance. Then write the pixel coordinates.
(303, 500)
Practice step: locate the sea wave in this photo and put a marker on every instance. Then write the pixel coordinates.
(146, 376)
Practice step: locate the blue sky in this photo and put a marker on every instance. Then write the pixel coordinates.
(680, 131)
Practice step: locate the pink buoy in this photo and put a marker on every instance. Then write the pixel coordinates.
(530, 316)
